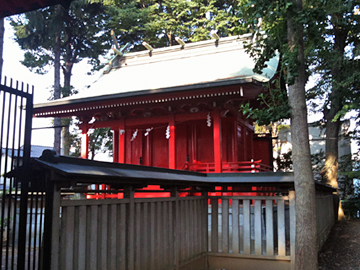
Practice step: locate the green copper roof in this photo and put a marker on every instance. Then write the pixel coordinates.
(201, 64)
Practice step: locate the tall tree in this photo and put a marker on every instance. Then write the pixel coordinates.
(77, 32)
(333, 54)
(57, 86)
(305, 246)
(284, 31)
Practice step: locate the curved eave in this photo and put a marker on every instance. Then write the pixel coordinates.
(57, 107)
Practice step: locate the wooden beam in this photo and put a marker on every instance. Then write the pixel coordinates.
(85, 142)
(217, 140)
(172, 158)
(121, 148)
(115, 144)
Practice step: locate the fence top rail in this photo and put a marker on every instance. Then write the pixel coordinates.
(89, 202)
(24, 91)
(270, 198)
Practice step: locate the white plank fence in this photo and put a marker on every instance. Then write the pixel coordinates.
(180, 233)
(162, 233)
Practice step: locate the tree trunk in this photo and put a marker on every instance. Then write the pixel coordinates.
(57, 88)
(305, 246)
(67, 69)
(2, 31)
(336, 103)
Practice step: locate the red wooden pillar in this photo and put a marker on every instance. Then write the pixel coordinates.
(115, 144)
(121, 146)
(172, 163)
(85, 142)
(235, 142)
(217, 140)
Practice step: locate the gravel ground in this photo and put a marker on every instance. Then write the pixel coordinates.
(342, 249)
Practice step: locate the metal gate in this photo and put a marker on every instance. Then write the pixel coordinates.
(20, 243)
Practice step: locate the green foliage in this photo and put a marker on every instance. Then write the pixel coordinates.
(100, 139)
(159, 22)
(81, 29)
(351, 207)
(284, 162)
(273, 106)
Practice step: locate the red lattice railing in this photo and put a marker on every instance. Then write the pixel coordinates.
(227, 167)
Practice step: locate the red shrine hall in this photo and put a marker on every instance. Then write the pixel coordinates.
(176, 107)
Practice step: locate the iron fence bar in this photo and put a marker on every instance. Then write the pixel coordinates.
(13, 91)
(41, 226)
(29, 231)
(4, 186)
(5, 178)
(24, 182)
(12, 179)
(35, 229)
(17, 183)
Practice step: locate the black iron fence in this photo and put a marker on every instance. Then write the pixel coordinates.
(18, 204)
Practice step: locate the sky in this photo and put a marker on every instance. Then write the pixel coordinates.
(12, 68)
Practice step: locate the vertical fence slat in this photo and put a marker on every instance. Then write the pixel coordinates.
(187, 229)
(281, 228)
(69, 234)
(182, 231)
(122, 237)
(81, 244)
(158, 245)
(197, 218)
(247, 227)
(138, 236)
(269, 228)
(214, 225)
(205, 223)
(93, 237)
(152, 235)
(113, 237)
(104, 236)
(131, 229)
(171, 241)
(257, 227)
(225, 226)
(177, 232)
(190, 214)
(146, 234)
(165, 231)
(235, 226)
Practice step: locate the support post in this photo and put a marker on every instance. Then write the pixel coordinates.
(121, 145)
(129, 194)
(51, 245)
(172, 160)
(115, 144)
(177, 229)
(85, 142)
(217, 140)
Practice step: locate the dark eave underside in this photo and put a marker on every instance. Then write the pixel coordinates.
(12, 7)
(43, 109)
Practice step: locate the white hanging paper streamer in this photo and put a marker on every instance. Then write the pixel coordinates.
(208, 120)
(167, 132)
(134, 135)
(122, 132)
(148, 131)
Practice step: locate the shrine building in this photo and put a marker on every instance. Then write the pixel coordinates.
(177, 107)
